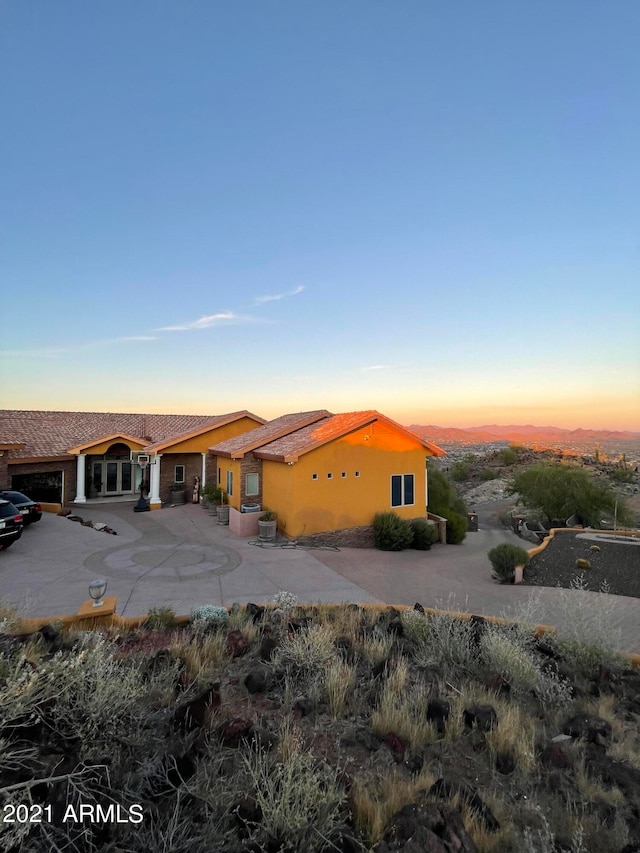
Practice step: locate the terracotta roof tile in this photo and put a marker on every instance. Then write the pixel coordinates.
(54, 433)
(335, 426)
(241, 444)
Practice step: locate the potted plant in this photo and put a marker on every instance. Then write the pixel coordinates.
(267, 524)
(222, 509)
(210, 495)
(177, 493)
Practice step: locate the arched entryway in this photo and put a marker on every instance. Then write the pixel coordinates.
(113, 473)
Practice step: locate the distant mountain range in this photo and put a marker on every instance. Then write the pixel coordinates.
(526, 434)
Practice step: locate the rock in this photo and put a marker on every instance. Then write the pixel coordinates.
(236, 644)
(268, 645)
(193, 714)
(417, 606)
(556, 756)
(483, 717)
(397, 745)
(505, 763)
(589, 727)
(447, 789)
(497, 684)
(255, 611)
(303, 707)
(438, 712)
(561, 738)
(257, 681)
(247, 813)
(233, 732)
(427, 827)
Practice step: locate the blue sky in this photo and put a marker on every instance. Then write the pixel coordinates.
(432, 209)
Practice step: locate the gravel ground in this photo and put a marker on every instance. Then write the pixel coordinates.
(616, 564)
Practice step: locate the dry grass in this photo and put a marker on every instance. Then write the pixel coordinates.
(373, 804)
(404, 715)
(204, 658)
(340, 679)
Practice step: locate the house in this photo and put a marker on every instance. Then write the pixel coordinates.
(61, 458)
(323, 472)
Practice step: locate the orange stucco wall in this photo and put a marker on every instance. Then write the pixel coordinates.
(232, 465)
(103, 446)
(306, 505)
(201, 443)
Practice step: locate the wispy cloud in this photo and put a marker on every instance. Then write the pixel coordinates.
(34, 353)
(376, 367)
(274, 297)
(221, 318)
(137, 338)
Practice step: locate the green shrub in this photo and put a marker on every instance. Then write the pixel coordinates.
(489, 474)
(460, 471)
(456, 527)
(391, 533)
(504, 559)
(508, 456)
(160, 618)
(208, 616)
(621, 475)
(424, 534)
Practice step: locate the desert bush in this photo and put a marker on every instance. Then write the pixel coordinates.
(303, 808)
(456, 527)
(160, 618)
(448, 642)
(424, 534)
(489, 474)
(460, 471)
(391, 533)
(504, 559)
(339, 681)
(507, 456)
(209, 616)
(285, 600)
(308, 652)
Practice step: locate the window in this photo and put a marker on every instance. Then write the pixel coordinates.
(343, 475)
(178, 474)
(219, 476)
(329, 476)
(402, 491)
(252, 484)
(314, 476)
(229, 482)
(357, 474)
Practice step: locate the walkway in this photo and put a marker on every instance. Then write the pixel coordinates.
(180, 557)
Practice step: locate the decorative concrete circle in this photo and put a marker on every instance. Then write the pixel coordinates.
(170, 562)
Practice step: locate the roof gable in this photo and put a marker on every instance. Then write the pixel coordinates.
(220, 421)
(237, 447)
(289, 448)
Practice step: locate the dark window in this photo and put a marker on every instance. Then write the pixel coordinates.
(402, 490)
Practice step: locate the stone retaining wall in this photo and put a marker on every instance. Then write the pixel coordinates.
(350, 537)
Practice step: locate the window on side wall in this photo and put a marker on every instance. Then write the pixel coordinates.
(219, 476)
(252, 484)
(178, 474)
(229, 482)
(402, 490)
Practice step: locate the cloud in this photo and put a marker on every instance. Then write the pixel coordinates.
(377, 367)
(34, 353)
(222, 317)
(137, 338)
(275, 297)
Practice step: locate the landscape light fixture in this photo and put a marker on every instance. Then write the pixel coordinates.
(97, 589)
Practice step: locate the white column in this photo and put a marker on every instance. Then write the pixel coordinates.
(155, 502)
(203, 479)
(80, 495)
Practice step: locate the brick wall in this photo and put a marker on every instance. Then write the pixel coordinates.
(250, 465)
(192, 468)
(4, 476)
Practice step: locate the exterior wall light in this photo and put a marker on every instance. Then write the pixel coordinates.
(97, 589)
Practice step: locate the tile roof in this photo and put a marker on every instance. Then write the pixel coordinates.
(290, 447)
(275, 429)
(54, 433)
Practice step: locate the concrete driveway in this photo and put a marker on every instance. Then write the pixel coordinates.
(181, 557)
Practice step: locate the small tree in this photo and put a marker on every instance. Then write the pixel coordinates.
(560, 490)
(504, 559)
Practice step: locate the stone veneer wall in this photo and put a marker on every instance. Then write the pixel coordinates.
(250, 465)
(192, 468)
(350, 537)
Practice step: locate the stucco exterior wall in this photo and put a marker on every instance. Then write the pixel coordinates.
(361, 465)
(201, 443)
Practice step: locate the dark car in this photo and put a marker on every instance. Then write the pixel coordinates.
(31, 511)
(11, 524)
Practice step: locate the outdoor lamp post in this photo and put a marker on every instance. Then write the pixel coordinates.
(97, 589)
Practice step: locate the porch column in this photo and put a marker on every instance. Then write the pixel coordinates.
(154, 501)
(203, 479)
(80, 495)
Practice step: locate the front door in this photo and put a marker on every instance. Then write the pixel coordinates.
(117, 478)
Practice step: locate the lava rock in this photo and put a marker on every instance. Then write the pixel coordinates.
(483, 717)
(257, 681)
